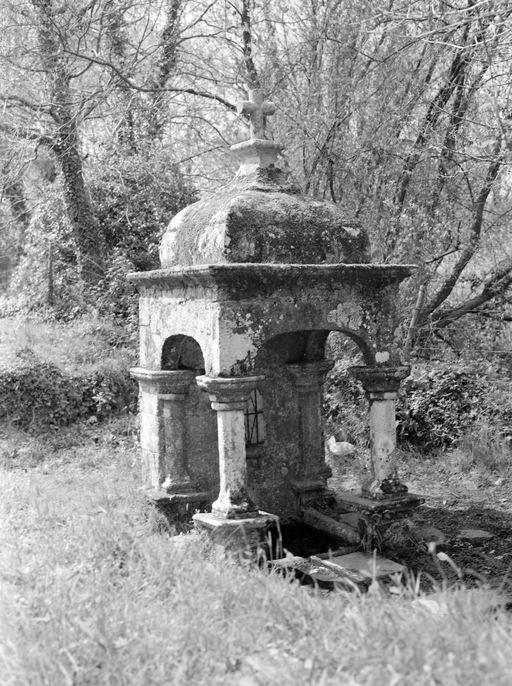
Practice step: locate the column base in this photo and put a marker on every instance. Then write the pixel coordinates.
(400, 502)
(383, 490)
(180, 504)
(248, 535)
(311, 492)
(178, 488)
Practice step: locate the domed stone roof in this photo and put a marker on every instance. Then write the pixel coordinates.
(261, 217)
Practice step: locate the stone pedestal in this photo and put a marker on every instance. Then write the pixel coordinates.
(229, 398)
(249, 536)
(384, 499)
(313, 470)
(163, 437)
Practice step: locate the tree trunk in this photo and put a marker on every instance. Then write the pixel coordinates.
(66, 146)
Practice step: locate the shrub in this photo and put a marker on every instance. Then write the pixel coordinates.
(345, 405)
(438, 406)
(116, 299)
(134, 198)
(38, 394)
(28, 290)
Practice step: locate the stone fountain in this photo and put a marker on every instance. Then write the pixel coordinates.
(233, 330)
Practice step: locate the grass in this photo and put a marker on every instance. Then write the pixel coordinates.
(83, 344)
(94, 591)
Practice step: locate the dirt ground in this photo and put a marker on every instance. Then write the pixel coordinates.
(458, 500)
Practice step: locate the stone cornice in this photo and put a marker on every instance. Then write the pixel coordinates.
(246, 277)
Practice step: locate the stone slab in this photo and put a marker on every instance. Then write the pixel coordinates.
(475, 535)
(366, 565)
(212, 521)
(347, 571)
(160, 497)
(320, 572)
(399, 503)
(339, 530)
(350, 519)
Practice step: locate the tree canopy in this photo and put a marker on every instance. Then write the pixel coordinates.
(119, 111)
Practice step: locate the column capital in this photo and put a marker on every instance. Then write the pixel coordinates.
(165, 383)
(310, 374)
(380, 382)
(229, 393)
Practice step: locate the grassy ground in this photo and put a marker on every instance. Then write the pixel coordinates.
(83, 345)
(93, 590)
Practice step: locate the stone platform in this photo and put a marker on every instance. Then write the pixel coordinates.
(349, 571)
(240, 536)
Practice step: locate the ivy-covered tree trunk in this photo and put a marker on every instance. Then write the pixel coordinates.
(65, 144)
(85, 226)
(12, 188)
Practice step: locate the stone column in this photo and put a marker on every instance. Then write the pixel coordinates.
(163, 428)
(229, 398)
(309, 378)
(381, 385)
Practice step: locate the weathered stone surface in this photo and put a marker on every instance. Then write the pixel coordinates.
(381, 386)
(340, 530)
(475, 535)
(260, 217)
(367, 565)
(181, 505)
(238, 535)
(350, 519)
(254, 279)
(399, 503)
(232, 310)
(243, 224)
(229, 399)
(345, 571)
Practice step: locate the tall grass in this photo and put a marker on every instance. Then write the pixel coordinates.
(81, 344)
(93, 592)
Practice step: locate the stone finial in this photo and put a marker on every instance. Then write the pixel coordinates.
(257, 109)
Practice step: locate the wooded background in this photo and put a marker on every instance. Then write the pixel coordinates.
(118, 113)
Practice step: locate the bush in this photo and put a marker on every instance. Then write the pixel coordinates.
(38, 394)
(345, 405)
(438, 407)
(29, 286)
(134, 199)
(116, 299)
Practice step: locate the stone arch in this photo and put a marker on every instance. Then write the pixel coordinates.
(306, 346)
(182, 352)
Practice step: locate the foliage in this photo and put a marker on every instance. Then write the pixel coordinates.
(38, 394)
(134, 197)
(56, 373)
(440, 405)
(116, 299)
(48, 230)
(345, 405)
(400, 117)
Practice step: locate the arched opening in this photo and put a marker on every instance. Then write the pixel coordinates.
(182, 352)
(291, 404)
(296, 346)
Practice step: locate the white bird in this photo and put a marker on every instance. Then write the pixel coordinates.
(341, 448)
